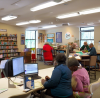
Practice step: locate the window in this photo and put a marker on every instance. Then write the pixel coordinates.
(86, 34)
(30, 39)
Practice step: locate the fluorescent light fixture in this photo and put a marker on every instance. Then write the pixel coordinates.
(68, 15)
(22, 23)
(7, 18)
(34, 21)
(51, 26)
(90, 11)
(46, 5)
(90, 23)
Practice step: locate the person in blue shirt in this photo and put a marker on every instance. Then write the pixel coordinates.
(59, 85)
(92, 50)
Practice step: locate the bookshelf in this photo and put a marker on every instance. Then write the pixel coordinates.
(55, 52)
(8, 45)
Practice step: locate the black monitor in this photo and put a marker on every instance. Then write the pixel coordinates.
(14, 67)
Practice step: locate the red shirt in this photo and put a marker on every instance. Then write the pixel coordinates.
(48, 54)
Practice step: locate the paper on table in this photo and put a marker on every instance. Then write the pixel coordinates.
(3, 90)
(77, 57)
(2, 65)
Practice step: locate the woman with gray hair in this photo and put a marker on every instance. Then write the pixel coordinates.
(80, 77)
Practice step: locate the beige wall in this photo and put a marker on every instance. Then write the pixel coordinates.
(72, 30)
(96, 37)
(14, 30)
(40, 45)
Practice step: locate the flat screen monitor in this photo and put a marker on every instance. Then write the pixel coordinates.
(31, 68)
(18, 65)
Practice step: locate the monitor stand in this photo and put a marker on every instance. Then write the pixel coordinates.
(11, 85)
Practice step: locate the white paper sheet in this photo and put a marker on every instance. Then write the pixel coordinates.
(77, 57)
(2, 65)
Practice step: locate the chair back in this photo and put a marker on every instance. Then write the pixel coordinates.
(24, 95)
(94, 86)
(93, 60)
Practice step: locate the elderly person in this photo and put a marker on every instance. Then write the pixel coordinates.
(73, 46)
(59, 85)
(80, 77)
(92, 50)
(85, 46)
(47, 52)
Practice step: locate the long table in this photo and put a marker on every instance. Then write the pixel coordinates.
(19, 90)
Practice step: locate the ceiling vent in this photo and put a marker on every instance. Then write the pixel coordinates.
(65, 24)
(57, 0)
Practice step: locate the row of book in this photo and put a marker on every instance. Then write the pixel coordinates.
(39, 51)
(8, 43)
(8, 47)
(40, 58)
(9, 55)
(8, 51)
(13, 35)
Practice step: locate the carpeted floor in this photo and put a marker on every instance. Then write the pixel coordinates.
(96, 94)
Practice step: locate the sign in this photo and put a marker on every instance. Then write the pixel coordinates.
(22, 39)
(3, 30)
(59, 37)
(50, 35)
(67, 35)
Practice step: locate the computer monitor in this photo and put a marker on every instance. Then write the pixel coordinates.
(18, 65)
(31, 68)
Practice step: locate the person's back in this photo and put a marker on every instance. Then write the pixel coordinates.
(82, 79)
(92, 51)
(47, 52)
(64, 86)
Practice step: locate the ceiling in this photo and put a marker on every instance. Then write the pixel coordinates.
(21, 8)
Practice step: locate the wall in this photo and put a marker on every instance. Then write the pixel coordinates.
(72, 30)
(40, 45)
(96, 37)
(14, 30)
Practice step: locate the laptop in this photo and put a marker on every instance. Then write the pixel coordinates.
(31, 69)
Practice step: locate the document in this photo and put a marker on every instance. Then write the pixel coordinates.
(3, 90)
(2, 65)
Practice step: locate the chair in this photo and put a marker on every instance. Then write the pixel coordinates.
(91, 65)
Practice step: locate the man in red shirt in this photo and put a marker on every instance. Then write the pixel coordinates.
(47, 52)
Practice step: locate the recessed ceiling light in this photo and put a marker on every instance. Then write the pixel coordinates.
(68, 15)
(90, 23)
(7, 18)
(51, 26)
(34, 21)
(22, 23)
(46, 5)
(90, 11)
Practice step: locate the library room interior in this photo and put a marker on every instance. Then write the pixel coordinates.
(49, 48)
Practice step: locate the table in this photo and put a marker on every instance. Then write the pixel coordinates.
(19, 90)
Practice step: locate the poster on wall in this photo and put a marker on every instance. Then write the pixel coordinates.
(67, 35)
(22, 39)
(59, 37)
(40, 38)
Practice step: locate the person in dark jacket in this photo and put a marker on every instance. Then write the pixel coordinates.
(92, 50)
(59, 85)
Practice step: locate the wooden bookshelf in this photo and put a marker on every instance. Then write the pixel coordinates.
(8, 46)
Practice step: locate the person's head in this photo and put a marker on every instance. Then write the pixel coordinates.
(73, 64)
(91, 45)
(61, 58)
(73, 46)
(46, 43)
(85, 43)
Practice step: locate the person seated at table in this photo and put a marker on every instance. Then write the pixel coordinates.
(59, 85)
(47, 52)
(73, 46)
(92, 50)
(85, 46)
(80, 77)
